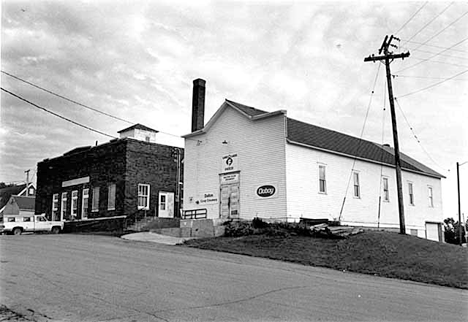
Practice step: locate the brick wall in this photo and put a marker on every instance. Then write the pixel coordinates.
(124, 162)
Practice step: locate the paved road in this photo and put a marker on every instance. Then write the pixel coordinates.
(99, 278)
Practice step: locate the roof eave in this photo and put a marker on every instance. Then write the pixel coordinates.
(362, 159)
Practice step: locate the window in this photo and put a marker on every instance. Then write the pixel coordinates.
(84, 203)
(40, 219)
(74, 204)
(322, 180)
(357, 189)
(11, 219)
(410, 192)
(55, 207)
(95, 202)
(111, 196)
(63, 209)
(143, 196)
(431, 196)
(162, 202)
(386, 195)
(26, 219)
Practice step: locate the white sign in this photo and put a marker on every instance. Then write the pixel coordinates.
(266, 191)
(208, 198)
(230, 178)
(229, 163)
(74, 182)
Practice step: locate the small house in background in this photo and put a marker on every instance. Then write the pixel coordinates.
(15, 190)
(246, 163)
(129, 176)
(19, 206)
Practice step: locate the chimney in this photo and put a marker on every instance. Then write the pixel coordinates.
(198, 104)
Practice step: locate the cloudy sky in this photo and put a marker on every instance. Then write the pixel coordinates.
(136, 60)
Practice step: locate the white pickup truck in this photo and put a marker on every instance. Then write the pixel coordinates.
(17, 225)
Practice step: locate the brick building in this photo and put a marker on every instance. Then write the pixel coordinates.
(126, 176)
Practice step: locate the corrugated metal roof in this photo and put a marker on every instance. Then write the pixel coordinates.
(321, 138)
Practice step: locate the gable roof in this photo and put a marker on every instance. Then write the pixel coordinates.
(138, 126)
(316, 137)
(7, 192)
(24, 203)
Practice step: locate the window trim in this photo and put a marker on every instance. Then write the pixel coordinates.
(411, 193)
(63, 208)
(111, 196)
(74, 204)
(324, 180)
(147, 196)
(84, 205)
(386, 189)
(55, 206)
(358, 185)
(430, 191)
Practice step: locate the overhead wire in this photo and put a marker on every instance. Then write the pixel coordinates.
(433, 85)
(414, 134)
(424, 60)
(66, 98)
(78, 103)
(360, 140)
(55, 114)
(411, 18)
(424, 77)
(436, 46)
(427, 24)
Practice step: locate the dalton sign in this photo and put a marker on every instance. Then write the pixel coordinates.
(266, 191)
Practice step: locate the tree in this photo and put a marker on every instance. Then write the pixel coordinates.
(452, 231)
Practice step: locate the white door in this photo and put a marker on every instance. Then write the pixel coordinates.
(432, 231)
(166, 204)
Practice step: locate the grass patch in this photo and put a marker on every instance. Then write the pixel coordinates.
(373, 252)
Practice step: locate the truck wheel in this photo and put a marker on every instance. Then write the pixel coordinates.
(17, 231)
(55, 230)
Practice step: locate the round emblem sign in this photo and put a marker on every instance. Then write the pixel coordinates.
(266, 191)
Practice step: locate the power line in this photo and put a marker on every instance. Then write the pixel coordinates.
(431, 52)
(78, 103)
(433, 85)
(411, 18)
(415, 136)
(360, 140)
(438, 61)
(435, 46)
(67, 99)
(453, 22)
(424, 77)
(427, 24)
(458, 43)
(55, 114)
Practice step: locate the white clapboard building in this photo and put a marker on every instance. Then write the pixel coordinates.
(247, 163)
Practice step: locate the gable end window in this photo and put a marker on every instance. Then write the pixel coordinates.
(143, 196)
(322, 179)
(357, 187)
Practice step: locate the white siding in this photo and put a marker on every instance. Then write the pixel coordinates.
(304, 199)
(260, 146)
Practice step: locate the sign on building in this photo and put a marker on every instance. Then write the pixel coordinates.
(229, 163)
(266, 191)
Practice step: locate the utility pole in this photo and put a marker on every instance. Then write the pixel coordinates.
(460, 224)
(388, 57)
(27, 182)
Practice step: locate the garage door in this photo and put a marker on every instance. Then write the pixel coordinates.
(432, 231)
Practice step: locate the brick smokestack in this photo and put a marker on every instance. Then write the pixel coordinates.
(198, 104)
